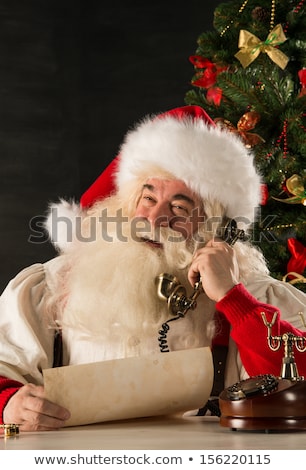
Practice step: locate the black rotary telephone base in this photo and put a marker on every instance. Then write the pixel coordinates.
(264, 403)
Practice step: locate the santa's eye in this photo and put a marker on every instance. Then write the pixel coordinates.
(148, 199)
(178, 209)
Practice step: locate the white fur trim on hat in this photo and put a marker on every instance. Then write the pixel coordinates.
(60, 223)
(212, 162)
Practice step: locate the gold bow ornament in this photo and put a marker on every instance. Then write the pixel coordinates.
(297, 278)
(295, 186)
(247, 122)
(251, 46)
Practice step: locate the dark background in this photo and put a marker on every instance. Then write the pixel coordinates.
(74, 75)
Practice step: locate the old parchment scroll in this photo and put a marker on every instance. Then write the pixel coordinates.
(159, 384)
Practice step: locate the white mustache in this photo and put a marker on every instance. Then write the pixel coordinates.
(161, 235)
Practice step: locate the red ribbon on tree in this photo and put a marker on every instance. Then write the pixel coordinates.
(297, 262)
(302, 77)
(206, 77)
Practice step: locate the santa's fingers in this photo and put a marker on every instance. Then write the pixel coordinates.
(218, 269)
(28, 408)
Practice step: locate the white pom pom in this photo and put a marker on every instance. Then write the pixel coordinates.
(61, 221)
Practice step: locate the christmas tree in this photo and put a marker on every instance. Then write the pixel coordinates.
(250, 76)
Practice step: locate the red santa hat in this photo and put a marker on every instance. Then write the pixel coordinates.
(106, 182)
(185, 143)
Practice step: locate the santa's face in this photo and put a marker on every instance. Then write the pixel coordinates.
(169, 203)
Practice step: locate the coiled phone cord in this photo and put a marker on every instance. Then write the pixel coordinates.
(162, 339)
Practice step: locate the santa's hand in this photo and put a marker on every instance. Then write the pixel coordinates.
(217, 266)
(32, 412)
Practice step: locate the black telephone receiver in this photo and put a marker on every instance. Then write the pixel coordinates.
(230, 233)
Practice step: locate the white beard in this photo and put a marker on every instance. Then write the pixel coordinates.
(112, 309)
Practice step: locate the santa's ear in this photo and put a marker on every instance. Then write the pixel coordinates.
(61, 221)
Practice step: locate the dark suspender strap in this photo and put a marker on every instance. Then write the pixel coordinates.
(58, 349)
(219, 354)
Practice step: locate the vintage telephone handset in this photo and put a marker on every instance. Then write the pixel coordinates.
(170, 289)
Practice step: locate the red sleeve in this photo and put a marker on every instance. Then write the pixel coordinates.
(249, 332)
(7, 389)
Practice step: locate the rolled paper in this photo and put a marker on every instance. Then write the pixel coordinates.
(134, 387)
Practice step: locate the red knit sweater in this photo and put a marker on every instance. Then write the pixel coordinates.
(243, 312)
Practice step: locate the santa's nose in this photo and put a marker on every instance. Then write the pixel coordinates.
(159, 216)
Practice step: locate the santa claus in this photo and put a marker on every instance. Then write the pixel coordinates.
(160, 207)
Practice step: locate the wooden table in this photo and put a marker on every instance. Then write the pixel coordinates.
(161, 433)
